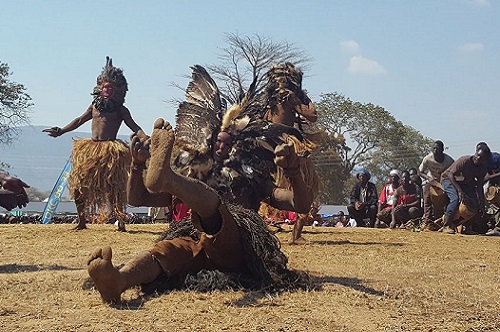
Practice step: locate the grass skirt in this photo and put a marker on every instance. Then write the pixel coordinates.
(307, 168)
(99, 178)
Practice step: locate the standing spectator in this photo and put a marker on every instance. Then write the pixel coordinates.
(407, 204)
(363, 200)
(430, 169)
(463, 183)
(386, 200)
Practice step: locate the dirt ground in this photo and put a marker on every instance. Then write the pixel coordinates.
(369, 279)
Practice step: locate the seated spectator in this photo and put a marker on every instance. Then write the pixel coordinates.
(344, 221)
(386, 200)
(363, 200)
(414, 177)
(407, 202)
(290, 217)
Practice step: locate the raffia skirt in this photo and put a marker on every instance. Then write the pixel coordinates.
(99, 176)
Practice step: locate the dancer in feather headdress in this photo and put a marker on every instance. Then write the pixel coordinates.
(287, 103)
(222, 172)
(100, 165)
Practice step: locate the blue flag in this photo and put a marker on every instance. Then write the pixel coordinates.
(55, 195)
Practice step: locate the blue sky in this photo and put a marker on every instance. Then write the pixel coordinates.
(433, 64)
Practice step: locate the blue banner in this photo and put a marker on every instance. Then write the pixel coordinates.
(55, 195)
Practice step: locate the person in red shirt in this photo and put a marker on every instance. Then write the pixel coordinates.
(407, 202)
(386, 200)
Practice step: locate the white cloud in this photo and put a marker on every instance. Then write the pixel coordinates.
(480, 3)
(471, 47)
(349, 46)
(359, 64)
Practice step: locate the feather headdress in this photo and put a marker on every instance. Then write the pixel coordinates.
(283, 80)
(112, 74)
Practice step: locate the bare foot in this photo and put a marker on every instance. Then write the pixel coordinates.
(121, 226)
(298, 241)
(106, 277)
(162, 141)
(80, 226)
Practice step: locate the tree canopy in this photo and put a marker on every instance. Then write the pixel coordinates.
(362, 135)
(15, 105)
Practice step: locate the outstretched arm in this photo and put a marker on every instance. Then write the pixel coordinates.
(56, 131)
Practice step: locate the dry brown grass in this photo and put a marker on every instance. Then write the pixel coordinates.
(371, 280)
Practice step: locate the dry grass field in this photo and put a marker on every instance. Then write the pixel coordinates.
(369, 280)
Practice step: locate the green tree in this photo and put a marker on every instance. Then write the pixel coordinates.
(15, 105)
(362, 135)
(248, 58)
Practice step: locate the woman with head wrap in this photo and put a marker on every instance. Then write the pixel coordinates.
(386, 200)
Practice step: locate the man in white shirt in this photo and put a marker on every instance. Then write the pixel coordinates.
(431, 168)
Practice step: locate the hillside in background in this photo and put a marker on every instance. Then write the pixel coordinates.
(37, 158)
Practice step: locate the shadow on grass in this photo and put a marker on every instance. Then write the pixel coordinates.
(253, 298)
(17, 268)
(327, 242)
(145, 232)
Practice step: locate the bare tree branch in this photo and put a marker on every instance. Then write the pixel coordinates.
(248, 58)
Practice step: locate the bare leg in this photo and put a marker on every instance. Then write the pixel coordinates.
(111, 282)
(120, 217)
(80, 210)
(161, 178)
(297, 232)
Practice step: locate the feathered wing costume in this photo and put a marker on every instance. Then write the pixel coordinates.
(250, 165)
(251, 158)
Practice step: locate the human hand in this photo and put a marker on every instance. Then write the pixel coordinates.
(13, 184)
(139, 148)
(53, 131)
(358, 205)
(10, 200)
